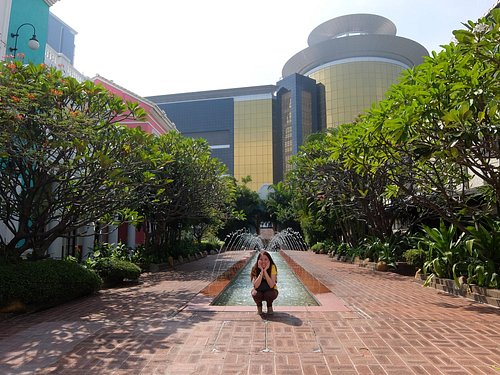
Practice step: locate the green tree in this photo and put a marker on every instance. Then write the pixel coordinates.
(64, 162)
(318, 219)
(249, 210)
(185, 187)
(439, 128)
(279, 207)
(345, 200)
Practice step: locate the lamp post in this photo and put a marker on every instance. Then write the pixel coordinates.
(32, 43)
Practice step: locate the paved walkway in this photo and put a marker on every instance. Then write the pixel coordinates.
(385, 324)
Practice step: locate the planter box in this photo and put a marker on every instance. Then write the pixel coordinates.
(474, 292)
(495, 293)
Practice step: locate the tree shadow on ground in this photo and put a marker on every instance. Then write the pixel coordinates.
(116, 329)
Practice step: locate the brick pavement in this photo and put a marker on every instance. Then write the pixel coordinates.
(385, 324)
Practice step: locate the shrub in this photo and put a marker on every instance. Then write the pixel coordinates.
(342, 249)
(208, 246)
(112, 250)
(317, 247)
(378, 250)
(330, 246)
(358, 251)
(415, 257)
(113, 271)
(45, 282)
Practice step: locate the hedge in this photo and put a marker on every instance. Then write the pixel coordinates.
(45, 282)
(113, 271)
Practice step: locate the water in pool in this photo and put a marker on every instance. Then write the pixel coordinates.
(291, 290)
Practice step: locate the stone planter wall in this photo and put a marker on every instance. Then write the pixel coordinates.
(474, 292)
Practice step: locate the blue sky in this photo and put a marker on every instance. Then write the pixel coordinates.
(154, 47)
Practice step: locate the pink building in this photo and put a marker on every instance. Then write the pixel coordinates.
(156, 122)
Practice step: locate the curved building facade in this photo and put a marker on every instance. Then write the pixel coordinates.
(356, 58)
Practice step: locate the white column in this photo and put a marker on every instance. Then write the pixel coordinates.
(5, 6)
(113, 234)
(55, 248)
(88, 241)
(131, 236)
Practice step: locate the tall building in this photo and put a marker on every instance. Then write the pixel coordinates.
(356, 57)
(237, 123)
(349, 64)
(300, 112)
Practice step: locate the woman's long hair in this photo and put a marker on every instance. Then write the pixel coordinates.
(256, 270)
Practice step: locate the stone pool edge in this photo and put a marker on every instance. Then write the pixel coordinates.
(327, 299)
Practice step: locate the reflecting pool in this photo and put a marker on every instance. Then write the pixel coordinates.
(291, 290)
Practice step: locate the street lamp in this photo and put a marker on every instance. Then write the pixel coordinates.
(32, 43)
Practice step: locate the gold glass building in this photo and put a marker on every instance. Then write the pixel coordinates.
(253, 140)
(237, 123)
(357, 58)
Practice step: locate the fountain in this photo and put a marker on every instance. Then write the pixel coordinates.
(231, 251)
(287, 240)
(236, 257)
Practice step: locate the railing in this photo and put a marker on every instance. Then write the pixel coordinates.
(62, 63)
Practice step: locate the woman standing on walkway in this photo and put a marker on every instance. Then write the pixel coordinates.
(264, 277)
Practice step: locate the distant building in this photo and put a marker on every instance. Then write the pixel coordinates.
(350, 63)
(237, 123)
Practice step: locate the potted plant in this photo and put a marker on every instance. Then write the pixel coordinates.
(386, 258)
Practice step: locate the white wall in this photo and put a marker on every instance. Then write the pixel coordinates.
(4, 26)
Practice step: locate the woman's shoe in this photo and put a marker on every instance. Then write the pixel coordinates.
(259, 310)
(270, 310)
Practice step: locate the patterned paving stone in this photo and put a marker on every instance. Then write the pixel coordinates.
(380, 323)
